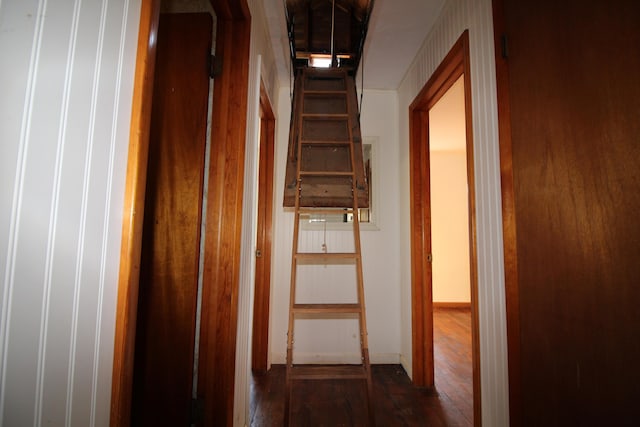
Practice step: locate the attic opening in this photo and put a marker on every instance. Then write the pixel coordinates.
(322, 60)
(327, 33)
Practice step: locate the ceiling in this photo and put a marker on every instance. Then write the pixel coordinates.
(397, 29)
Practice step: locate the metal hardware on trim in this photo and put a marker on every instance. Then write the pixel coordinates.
(215, 66)
(504, 46)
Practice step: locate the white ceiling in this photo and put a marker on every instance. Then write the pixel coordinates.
(397, 29)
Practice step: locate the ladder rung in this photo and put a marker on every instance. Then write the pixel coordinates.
(325, 256)
(323, 92)
(322, 372)
(325, 115)
(327, 308)
(324, 142)
(325, 173)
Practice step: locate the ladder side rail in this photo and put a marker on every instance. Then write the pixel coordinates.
(364, 343)
(356, 234)
(294, 248)
(362, 187)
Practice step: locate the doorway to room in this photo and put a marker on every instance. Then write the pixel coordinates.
(443, 245)
(451, 279)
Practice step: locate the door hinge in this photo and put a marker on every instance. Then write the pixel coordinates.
(215, 66)
(429, 257)
(504, 46)
(197, 410)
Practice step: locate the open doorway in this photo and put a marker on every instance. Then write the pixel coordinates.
(442, 174)
(451, 278)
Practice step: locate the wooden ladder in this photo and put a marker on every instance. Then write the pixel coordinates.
(307, 170)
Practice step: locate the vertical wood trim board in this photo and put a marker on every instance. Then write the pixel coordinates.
(223, 255)
(133, 214)
(509, 220)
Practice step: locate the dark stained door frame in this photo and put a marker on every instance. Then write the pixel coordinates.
(508, 218)
(260, 343)
(454, 65)
(224, 215)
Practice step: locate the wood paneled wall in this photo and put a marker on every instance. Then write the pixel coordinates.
(67, 78)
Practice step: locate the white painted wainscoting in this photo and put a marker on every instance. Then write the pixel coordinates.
(66, 79)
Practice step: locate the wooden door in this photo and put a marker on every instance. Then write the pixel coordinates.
(569, 92)
(260, 343)
(163, 368)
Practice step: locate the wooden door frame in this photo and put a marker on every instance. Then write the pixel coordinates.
(133, 215)
(512, 300)
(224, 214)
(454, 65)
(260, 339)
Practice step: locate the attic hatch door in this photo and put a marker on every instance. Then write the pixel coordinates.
(325, 122)
(165, 334)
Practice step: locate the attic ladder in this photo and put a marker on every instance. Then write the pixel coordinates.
(315, 163)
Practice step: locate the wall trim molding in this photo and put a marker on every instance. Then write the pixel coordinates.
(451, 305)
(132, 218)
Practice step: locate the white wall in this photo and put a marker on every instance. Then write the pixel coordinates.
(67, 80)
(449, 226)
(449, 198)
(476, 16)
(336, 341)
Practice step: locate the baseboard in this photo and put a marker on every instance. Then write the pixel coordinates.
(452, 305)
(338, 358)
(407, 365)
(384, 358)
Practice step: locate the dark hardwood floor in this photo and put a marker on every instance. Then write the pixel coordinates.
(397, 402)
